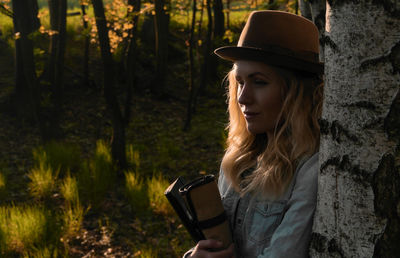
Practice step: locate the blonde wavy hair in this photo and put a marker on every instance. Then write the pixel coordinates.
(275, 160)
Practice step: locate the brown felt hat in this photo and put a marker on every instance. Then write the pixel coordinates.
(277, 38)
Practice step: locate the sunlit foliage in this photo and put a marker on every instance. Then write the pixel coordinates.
(119, 17)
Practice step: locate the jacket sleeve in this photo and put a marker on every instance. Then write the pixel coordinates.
(292, 237)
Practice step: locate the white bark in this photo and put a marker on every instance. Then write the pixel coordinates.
(362, 41)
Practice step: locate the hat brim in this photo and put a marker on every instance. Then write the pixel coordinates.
(234, 53)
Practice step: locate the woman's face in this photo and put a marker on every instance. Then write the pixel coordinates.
(260, 95)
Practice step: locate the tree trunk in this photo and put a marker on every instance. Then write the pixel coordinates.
(131, 57)
(219, 19)
(305, 9)
(207, 57)
(189, 110)
(118, 140)
(228, 10)
(87, 45)
(358, 209)
(58, 20)
(25, 22)
(200, 23)
(161, 24)
(318, 10)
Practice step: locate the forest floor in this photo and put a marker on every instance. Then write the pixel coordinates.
(155, 130)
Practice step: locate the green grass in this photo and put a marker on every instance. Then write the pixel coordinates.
(155, 190)
(146, 251)
(133, 157)
(72, 218)
(22, 228)
(69, 190)
(42, 180)
(97, 176)
(44, 252)
(135, 190)
(60, 156)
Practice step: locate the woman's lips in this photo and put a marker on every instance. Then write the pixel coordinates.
(249, 115)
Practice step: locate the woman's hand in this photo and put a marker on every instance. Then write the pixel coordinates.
(203, 247)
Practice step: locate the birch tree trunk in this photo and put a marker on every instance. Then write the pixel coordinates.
(358, 209)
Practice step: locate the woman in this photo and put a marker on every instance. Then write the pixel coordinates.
(268, 178)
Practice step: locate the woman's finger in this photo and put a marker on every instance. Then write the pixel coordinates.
(226, 253)
(203, 247)
(209, 244)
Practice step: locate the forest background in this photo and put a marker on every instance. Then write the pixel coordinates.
(96, 121)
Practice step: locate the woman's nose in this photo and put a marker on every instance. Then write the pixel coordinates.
(245, 95)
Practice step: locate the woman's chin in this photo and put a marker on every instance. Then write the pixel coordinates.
(254, 130)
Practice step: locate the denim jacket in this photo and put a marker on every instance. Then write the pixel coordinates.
(279, 228)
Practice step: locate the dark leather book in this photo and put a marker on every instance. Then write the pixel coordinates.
(199, 206)
(178, 203)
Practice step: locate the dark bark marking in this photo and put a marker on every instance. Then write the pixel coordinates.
(393, 57)
(373, 124)
(343, 163)
(372, 62)
(392, 120)
(386, 187)
(338, 3)
(319, 21)
(324, 126)
(318, 242)
(362, 104)
(327, 41)
(391, 7)
(333, 247)
(336, 130)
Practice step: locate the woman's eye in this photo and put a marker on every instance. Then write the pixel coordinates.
(260, 82)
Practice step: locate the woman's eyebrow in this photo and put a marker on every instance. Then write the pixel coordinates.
(254, 74)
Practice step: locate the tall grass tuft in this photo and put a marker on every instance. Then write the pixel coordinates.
(155, 190)
(69, 190)
(44, 252)
(73, 212)
(72, 221)
(146, 252)
(42, 179)
(62, 156)
(135, 190)
(97, 176)
(22, 228)
(133, 158)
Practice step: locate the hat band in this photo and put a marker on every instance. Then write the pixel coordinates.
(305, 55)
